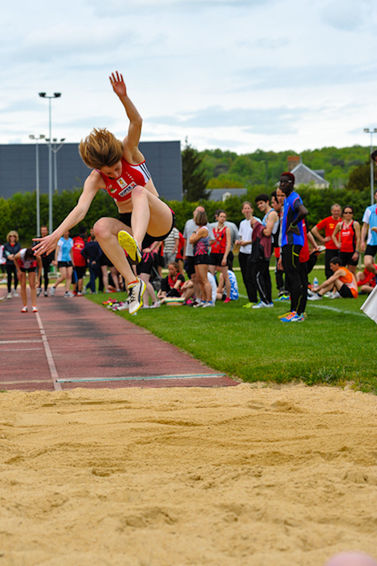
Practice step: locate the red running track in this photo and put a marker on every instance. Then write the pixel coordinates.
(76, 343)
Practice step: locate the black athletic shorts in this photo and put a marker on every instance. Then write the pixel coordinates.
(80, 271)
(202, 259)
(28, 269)
(345, 292)
(146, 264)
(346, 258)
(216, 259)
(125, 217)
(189, 266)
(371, 250)
(64, 264)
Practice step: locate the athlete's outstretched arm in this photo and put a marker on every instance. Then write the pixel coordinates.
(77, 214)
(136, 121)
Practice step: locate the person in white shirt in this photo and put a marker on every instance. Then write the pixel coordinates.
(244, 241)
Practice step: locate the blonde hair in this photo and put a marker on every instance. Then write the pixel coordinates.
(12, 233)
(100, 149)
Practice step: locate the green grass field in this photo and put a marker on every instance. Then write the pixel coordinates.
(335, 344)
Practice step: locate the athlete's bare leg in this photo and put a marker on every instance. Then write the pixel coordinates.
(22, 281)
(368, 262)
(149, 290)
(106, 232)
(149, 214)
(33, 287)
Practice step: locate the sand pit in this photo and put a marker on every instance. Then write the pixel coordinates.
(246, 475)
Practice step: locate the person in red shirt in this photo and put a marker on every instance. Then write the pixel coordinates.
(328, 225)
(366, 280)
(220, 248)
(179, 256)
(346, 237)
(119, 168)
(79, 262)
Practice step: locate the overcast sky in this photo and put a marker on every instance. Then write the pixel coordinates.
(233, 74)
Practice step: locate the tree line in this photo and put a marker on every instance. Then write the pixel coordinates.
(347, 169)
(19, 212)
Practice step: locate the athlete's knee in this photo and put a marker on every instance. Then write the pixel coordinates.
(368, 262)
(102, 228)
(139, 192)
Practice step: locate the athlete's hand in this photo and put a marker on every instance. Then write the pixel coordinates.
(117, 82)
(294, 229)
(46, 244)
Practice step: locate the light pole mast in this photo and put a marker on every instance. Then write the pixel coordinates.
(55, 148)
(50, 97)
(37, 138)
(371, 131)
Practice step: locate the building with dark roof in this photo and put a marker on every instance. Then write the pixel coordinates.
(224, 193)
(18, 168)
(306, 176)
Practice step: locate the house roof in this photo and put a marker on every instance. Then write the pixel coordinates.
(217, 194)
(304, 175)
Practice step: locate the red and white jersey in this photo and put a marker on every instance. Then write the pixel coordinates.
(132, 175)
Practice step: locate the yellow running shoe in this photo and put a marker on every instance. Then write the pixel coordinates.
(128, 243)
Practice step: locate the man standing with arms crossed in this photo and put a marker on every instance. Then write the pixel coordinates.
(291, 245)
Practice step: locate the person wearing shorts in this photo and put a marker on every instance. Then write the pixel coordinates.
(119, 168)
(144, 271)
(47, 259)
(342, 279)
(27, 264)
(346, 237)
(79, 262)
(200, 241)
(220, 249)
(369, 234)
(328, 225)
(63, 259)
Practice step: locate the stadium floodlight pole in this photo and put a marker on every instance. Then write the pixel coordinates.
(55, 148)
(37, 138)
(371, 131)
(50, 97)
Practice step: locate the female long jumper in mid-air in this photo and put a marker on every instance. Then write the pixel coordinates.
(120, 169)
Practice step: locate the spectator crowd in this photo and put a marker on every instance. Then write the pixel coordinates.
(199, 260)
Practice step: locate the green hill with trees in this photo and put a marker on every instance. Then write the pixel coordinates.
(347, 169)
(228, 169)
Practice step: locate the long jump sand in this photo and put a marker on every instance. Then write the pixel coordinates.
(157, 477)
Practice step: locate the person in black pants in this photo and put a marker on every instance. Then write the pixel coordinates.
(244, 255)
(293, 239)
(46, 263)
(11, 247)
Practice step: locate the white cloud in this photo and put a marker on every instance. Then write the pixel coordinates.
(236, 74)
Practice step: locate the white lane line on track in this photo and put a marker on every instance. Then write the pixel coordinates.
(334, 309)
(325, 307)
(142, 378)
(49, 356)
(19, 341)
